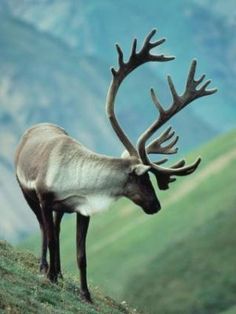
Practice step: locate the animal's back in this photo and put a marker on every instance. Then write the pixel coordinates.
(34, 149)
(49, 162)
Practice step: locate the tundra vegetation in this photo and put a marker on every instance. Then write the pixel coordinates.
(23, 290)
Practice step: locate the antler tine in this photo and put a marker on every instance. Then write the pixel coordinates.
(133, 49)
(149, 37)
(167, 134)
(176, 98)
(163, 181)
(164, 175)
(155, 146)
(180, 163)
(156, 102)
(160, 162)
(180, 170)
(170, 149)
(200, 79)
(148, 46)
(191, 74)
(191, 91)
(120, 55)
(124, 68)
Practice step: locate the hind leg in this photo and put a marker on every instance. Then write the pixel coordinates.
(43, 260)
(47, 215)
(33, 202)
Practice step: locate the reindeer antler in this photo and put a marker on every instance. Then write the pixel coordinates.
(135, 60)
(164, 175)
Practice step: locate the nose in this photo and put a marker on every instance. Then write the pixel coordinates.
(153, 207)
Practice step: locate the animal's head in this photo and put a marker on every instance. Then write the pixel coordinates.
(139, 187)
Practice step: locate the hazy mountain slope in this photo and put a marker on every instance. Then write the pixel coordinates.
(198, 30)
(189, 36)
(38, 86)
(44, 77)
(129, 251)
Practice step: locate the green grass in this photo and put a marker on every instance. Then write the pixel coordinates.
(23, 290)
(152, 261)
(195, 274)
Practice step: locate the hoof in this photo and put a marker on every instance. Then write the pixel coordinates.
(52, 277)
(43, 268)
(60, 276)
(85, 296)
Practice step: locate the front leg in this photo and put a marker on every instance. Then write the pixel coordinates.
(57, 222)
(81, 232)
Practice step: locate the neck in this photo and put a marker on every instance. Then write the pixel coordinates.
(104, 174)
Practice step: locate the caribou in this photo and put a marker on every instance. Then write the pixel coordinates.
(57, 174)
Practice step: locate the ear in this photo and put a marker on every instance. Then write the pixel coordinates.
(140, 169)
(125, 154)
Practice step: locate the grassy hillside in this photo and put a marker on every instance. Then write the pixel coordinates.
(179, 261)
(196, 274)
(22, 290)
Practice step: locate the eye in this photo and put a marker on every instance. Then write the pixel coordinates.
(131, 176)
